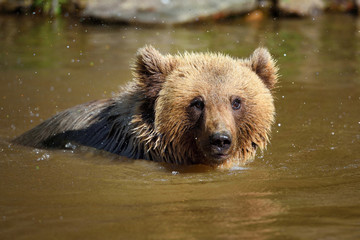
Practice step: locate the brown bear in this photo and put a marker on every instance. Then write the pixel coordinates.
(191, 108)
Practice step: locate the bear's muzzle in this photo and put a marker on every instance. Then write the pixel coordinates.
(220, 143)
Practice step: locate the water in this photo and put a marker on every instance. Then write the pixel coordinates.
(305, 186)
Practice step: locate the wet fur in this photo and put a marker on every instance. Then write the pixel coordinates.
(149, 119)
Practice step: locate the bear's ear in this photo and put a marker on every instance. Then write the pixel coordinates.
(151, 69)
(264, 66)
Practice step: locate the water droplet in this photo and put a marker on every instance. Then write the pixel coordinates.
(69, 145)
(43, 157)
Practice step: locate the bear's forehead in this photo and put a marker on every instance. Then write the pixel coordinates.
(205, 60)
(213, 68)
(213, 73)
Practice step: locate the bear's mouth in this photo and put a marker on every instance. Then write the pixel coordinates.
(218, 158)
(213, 154)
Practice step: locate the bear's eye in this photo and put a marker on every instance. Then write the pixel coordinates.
(236, 103)
(197, 103)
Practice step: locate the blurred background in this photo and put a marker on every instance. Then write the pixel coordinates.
(306, 185)
(175, 11)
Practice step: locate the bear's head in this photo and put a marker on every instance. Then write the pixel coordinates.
(204, 107)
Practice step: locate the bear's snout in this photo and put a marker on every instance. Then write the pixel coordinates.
(220, 143)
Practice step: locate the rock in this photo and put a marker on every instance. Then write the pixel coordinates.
(165, 11)
(255, 16)
(301, 8)
(80, 4)
(350, 6)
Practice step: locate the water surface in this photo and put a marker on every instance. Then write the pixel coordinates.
(305, 186)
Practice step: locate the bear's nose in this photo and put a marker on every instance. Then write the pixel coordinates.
(220, 141)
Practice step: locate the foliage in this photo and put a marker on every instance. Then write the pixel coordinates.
(52, 7)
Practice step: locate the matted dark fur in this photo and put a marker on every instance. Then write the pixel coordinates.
(171, 109)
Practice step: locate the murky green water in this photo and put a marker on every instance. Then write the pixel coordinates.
(305, 186)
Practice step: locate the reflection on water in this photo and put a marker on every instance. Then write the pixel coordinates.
(306, 185)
